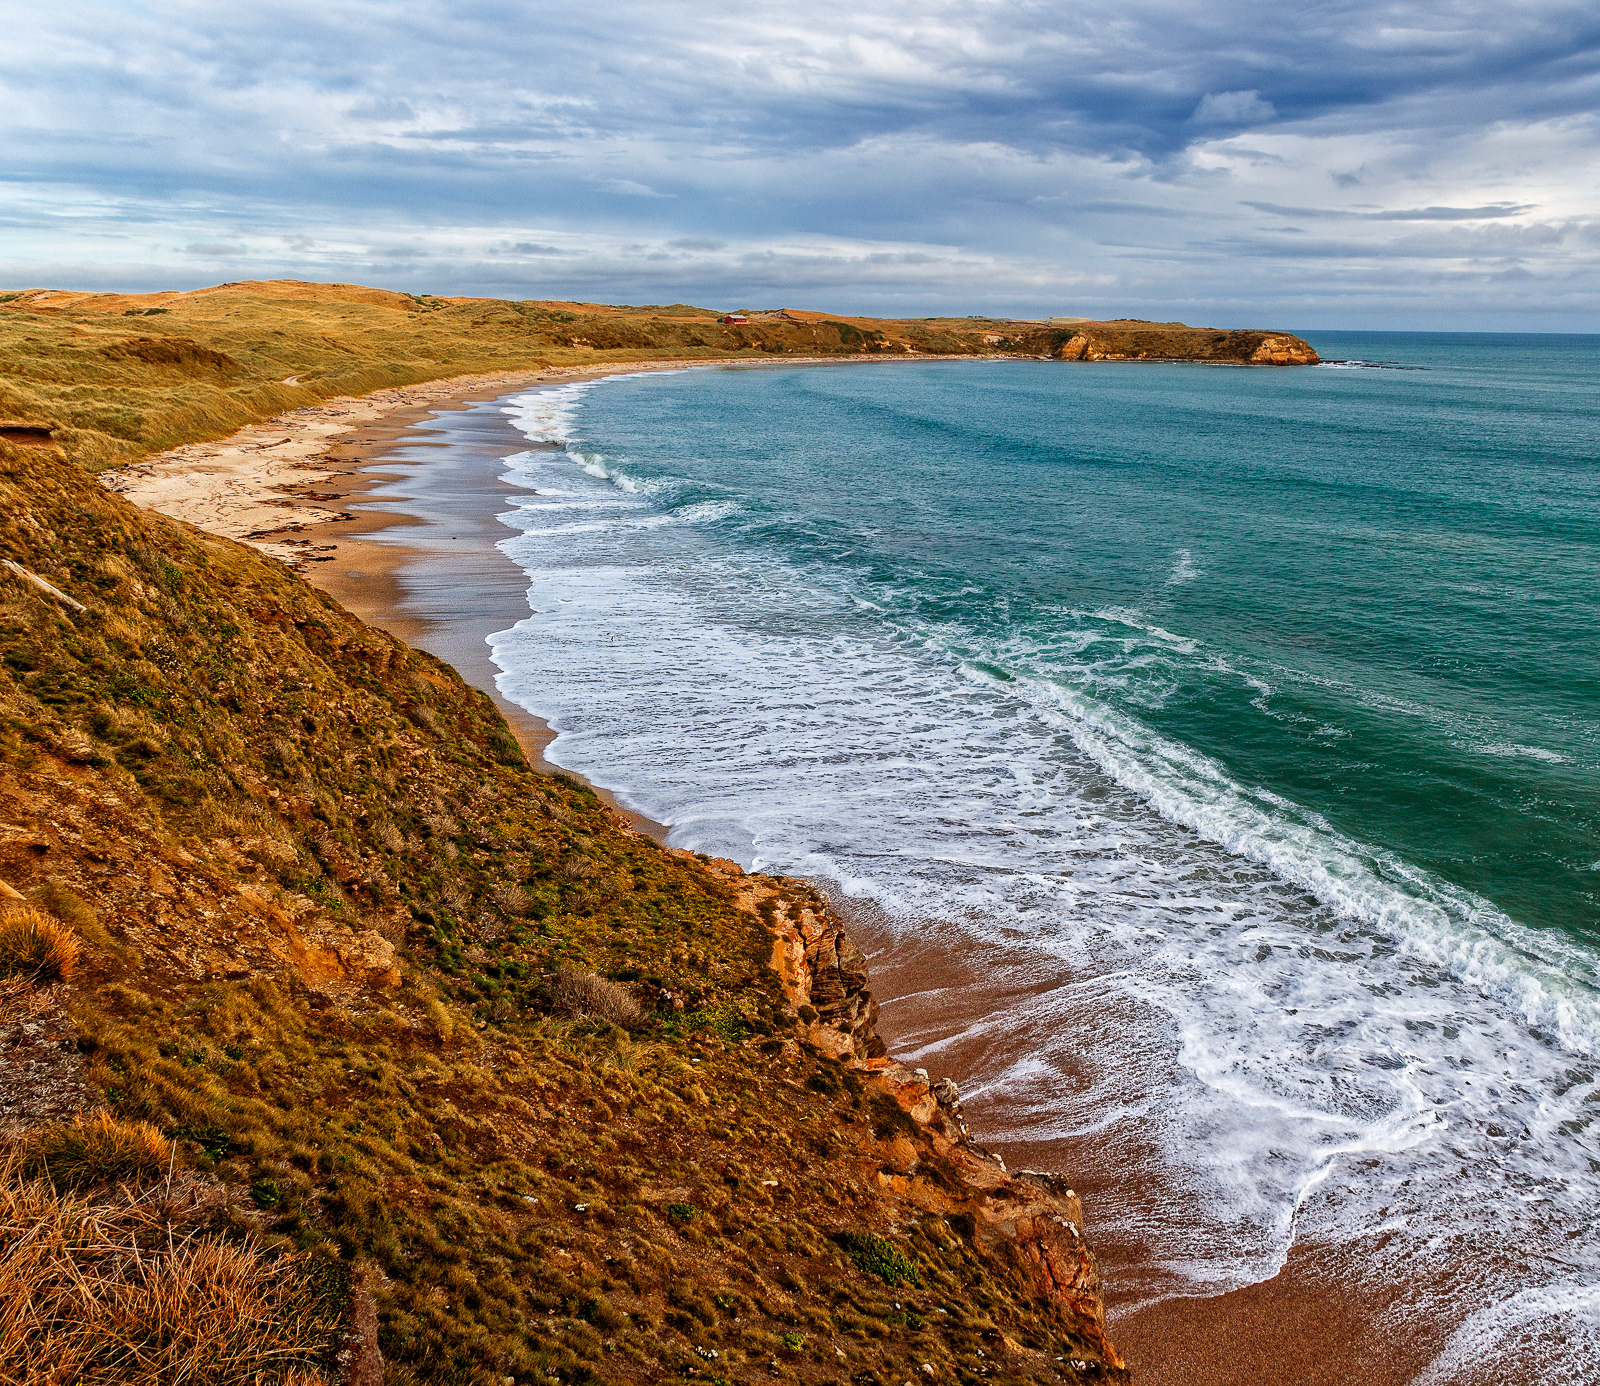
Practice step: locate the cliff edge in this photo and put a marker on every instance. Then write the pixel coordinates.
(345, 1013)
(1130, 340)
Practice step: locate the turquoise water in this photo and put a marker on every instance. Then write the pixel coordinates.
(1266, 702)
(1383, 583)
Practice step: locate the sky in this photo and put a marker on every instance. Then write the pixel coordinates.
(1418, 164)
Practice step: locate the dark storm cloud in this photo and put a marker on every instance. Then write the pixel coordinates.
(991, 154)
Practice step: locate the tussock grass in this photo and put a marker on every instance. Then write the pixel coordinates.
(35, 946)
(584, 995)
(95, 1150)
(110, 1293)
(73, 911)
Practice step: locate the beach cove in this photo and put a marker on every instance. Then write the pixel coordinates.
(1271, 1313)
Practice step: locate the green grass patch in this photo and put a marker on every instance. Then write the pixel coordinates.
(880, 1257)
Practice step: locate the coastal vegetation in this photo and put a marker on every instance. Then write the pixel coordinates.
(339, 1044)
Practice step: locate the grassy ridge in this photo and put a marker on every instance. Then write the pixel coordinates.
(115, 376)
(111, 377)
(327, 920)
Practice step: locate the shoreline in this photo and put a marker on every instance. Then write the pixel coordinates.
(273, 485)
(1301, 1324)
(1323, 1319)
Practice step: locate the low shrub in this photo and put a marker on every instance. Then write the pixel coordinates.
(35, 946)
(602, 1313)
(97, 1150)
(890, 1119)
(510, 897)
(879, 1257)
(213, 1140)
(583, 995)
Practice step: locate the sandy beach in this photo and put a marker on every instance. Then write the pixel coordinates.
(1323, 1320)
(283, 486)
(273, 483)
(295, 487)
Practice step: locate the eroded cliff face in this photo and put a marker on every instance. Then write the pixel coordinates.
(322, 901)
(1035, 1217)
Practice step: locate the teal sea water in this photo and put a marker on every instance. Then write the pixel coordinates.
(1267, 700)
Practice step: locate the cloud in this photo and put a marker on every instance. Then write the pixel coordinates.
(1493, 211)
(1234, 108)
(384, 109)
(1005, 157)
(626, 187)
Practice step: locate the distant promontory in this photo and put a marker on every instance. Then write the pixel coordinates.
(112, 377)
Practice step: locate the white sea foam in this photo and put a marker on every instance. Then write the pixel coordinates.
(1554, 1329)
(1184, 569)
(1355, 365)
(546, 416)
(1512, 749)
(1320, 1039)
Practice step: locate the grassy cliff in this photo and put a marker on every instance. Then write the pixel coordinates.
(112, 377)
(401, 1046)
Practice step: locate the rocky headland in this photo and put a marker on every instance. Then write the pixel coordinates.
(163, 370)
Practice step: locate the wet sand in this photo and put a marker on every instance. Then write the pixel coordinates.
(1323, 1320)
(293, 486)
(435, 578)
(419, 559)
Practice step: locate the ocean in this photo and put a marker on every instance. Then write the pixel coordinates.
(1246, 720)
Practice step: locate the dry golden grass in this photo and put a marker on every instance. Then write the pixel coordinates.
(35, 946)
(97, 1150)
(110, 1294)
(111, 377)
(21, 1000)
(502, 1172)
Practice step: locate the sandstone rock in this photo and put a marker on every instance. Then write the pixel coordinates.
(369, 959)
(839, 991)
(1132, 341)
(826, 980)
(1284, 351)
